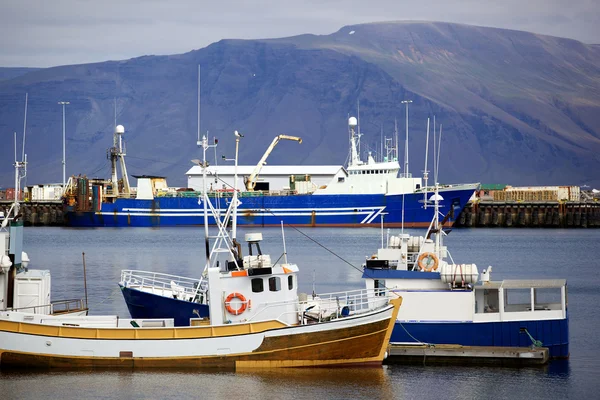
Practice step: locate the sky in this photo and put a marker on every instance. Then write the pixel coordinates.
(43, 33)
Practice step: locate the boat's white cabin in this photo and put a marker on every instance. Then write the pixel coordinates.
(254, 289)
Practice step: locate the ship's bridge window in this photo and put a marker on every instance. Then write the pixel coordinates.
(257, 285)
(290, 282)
(341, 179)
(379, 287)
(274, 284)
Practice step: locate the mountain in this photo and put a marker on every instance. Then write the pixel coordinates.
(516, 107)
(9, 73)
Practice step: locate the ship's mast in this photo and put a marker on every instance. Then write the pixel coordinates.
(117, 155)
(354, 159)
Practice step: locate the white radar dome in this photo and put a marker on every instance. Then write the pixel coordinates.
(120, 129)
(352, 121)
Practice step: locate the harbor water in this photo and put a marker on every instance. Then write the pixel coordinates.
(329, 260)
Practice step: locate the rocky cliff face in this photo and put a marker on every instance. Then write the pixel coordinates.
(516, 107)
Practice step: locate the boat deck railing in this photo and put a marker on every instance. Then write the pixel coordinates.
(357, 301)
(325, 307)
(164, 284)
(55, 307)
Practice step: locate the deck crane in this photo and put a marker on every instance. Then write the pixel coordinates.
(251, 181)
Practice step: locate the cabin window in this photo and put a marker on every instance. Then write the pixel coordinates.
(487, 301)
(290, 282)
(341, 179)
(274, 284)
(257, 285)
(547, 298)
(379, 287)
(418, 186)
(517, 300)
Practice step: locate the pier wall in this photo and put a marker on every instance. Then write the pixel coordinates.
(47, 213)
(530, 214)
(475, 214)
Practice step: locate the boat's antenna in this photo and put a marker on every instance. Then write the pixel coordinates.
(434, 151)
(84, 280)
(23, 175)
(425, 172)
(382, 231)
(396, 133)
(358, 116)
(438, 154)
(314, 294)
(115, 112)
(402, 230)
(198, 104)
(24, 127)
(407, 102)
(381, 144)
(284, 248)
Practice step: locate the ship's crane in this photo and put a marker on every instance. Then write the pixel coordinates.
(251, 181)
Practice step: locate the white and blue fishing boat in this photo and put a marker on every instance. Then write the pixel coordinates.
(450, 303)
(356, 196)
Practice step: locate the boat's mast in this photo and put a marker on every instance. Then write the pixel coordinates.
(352, 124)
(235, 189)
(204, 145)
(425, 172)
(17, 190)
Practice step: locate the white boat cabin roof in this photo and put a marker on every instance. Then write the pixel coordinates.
(524, 283)
(271, 170)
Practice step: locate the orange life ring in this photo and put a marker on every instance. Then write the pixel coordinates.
(425, 265)
(230, 309)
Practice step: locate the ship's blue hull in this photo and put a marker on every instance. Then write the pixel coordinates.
(302, 210)
(553, 334)
(148, 305)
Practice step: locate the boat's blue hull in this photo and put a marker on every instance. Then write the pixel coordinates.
(553, 334)
(147, 305)
(302, 210)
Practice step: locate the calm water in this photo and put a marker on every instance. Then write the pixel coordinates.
(514, 253)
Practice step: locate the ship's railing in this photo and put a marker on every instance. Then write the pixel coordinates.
(228, 193)
(357, 301)
(454, 186)
(325, 307)
(55, 307)
(163, 284)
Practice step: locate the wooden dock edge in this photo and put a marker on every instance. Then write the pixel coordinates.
(468, 355)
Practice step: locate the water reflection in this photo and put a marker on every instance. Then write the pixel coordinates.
(322, 383)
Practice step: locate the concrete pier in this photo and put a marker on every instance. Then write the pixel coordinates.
(530, 214)
(456, 354)
(47, 213)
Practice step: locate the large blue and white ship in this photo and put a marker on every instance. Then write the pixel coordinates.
(363, 194)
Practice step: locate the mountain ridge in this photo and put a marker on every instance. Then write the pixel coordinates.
(516, 107)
